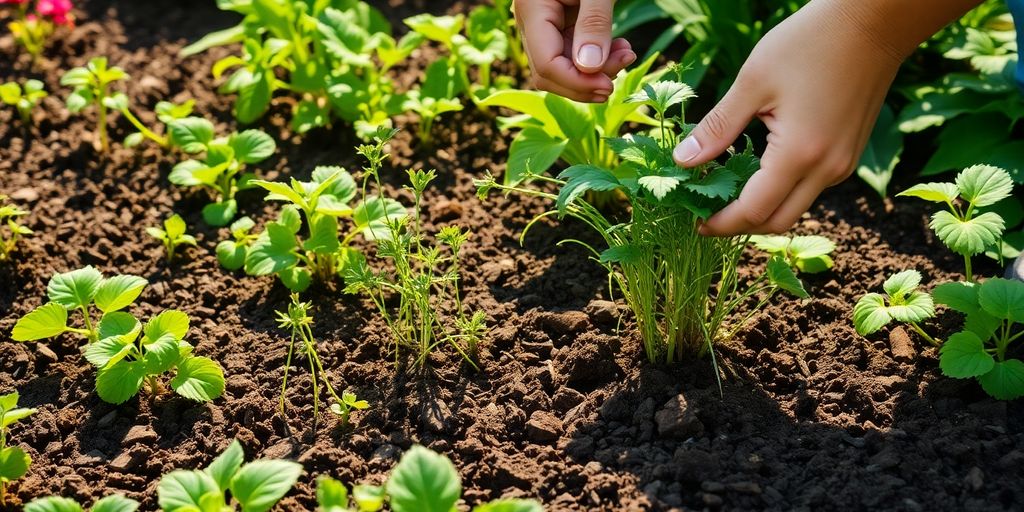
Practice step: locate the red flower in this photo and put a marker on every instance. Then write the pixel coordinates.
(58, 10)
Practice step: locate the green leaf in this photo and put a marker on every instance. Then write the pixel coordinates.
(772, 244)
(296, 279)
(172, 322)
(273, 252)
(46, 321)
(915, 307)
(199, 379)
(581, 178)
(15, 415)
(14, 463)
(162, 354)
(622, 254)
(259, 485)
(934, 192)
(870, 314)
(226, 465)
(231, 255)
(74, 289)
(532, 151)
(323, 235)
(1005, 381)
(968, 237)
(882, 153)
(574, 119)
(963, 355)
(984, 185)
(1003, 299)
(115, 503)
(962, 297)
(253, 99)
(780, 274)
(282, 192)
(107, 352)
(252, 146)
(899, 285)
(119, 382)
(424, 481)
(191, 134)
(660, 186)
(331, 495)
(181, 491)
(663, 94)
(720, 183)
(53, 504)
(369, 498)
(510, 506)
(374, 215)
(810, 246)
(220, 213)
(119, 292)
(436, 28)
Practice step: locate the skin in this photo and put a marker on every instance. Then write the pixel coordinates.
(817, 81)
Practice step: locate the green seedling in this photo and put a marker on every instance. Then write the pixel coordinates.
(255, 487)
(902, 302)
(172, 235)
(23, 98)
(221, 170)
(78, 290)
(993, 322)
(125, 360)
(965, 227)
(424, 276)
(318, 204)
(231, 253)
(681, 286)
(14, 462)
(113, 503)
(92, 87)
(809, 254)
(166, 113)
(9, 215)
(298, 321)
(423, 481)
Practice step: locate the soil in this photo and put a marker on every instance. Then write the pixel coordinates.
(809, 416)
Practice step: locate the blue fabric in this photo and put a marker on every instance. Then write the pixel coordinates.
(1017, 8)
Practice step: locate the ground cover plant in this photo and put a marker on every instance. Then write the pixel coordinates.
(14, 462)
(902, 302)
(172, 236)
(113, 503)
(23, 97)
(10, 229)
(91, 87)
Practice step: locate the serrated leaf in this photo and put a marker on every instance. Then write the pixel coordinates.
(182, 491)
(74, 289)
(967, 237)
(424, 481)
(116, 384)
(719, 183)
(780, 274)
(1003, 299)
(963, 355)
(660, 186)
(962, 297)
(663, 94)
(870, 314)
(199, 379)
(915, 307)
(984, 185)
(259, 485)
(107, 352)
(581, 178)
(46, 321)
(900, 284)
(934, 192)
(162, 354)
(1005, 381)
(119, 292)
(53, 504)
(172, 322)
(810, 246)
(226, 465)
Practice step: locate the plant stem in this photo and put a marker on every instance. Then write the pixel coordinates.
(287, 367)
(92, 334)
(967, 269)
(104, 142)
(924, 334)
(149, 134)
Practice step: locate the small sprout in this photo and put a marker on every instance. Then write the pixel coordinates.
(173, 235)
(902, 302)
(112, 503)
(231, 253)
(91, 85)
(9, 216)
(14, 462)
(810, 254)
(256, 486)
(23, 98)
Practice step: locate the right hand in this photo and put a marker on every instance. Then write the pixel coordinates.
(570, 48)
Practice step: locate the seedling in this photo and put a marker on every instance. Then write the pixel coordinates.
(809, 254)
(964, 227)
(423, 481)
(902, 302)
(78, 290)
(318, 204)
(172, 235)
(231, 253)
(256, 486)
(113, 503)
(9, 215)
(681, 286)
(299, 322)
(92, 87)
(994, 320)
(23, 98)
(14, 462)
(424, 277)
(221, 170)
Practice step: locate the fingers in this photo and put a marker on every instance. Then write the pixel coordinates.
(592, 37)
(621, 56)
(721, 127)
(759, 200)
(543, 22)
(789, 213)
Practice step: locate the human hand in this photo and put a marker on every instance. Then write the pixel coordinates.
(570, 48)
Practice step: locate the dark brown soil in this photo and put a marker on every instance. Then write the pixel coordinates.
(811, 416)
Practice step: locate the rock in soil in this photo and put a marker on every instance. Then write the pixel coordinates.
(901, 345)
(543, 427)
(677, 419)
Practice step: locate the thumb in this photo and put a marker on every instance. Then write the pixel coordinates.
(718, 130)
(592, 38)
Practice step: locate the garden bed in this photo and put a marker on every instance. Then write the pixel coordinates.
(565, 409)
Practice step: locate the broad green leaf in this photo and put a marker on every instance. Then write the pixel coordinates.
(253, 99)
(963, 355)
(510, 506)
(533, 151)
(882, 153)
(331, 495)
(220, 213)
(934, 192)
(74, 289)
(1003, 299)
(296, 279)
(436, 28)
(774, 244)
(14, 463)
(259, 485)
(119, 292)
(374, 214)
(424, 481)
(188, 174)
(968, 237)
(171, 322)
(622, 254)
(660, 186)
(115, 503)
(581, 178)
(252, 146)
(870, 314)
(780, 274)
(181, 490)
(175, 227)
(53, 504)
(118, 383)
(915, 307)
(966, 141)
(46, 321)
(224, 467)
(199, 379)
(663, 94)
(282, 192)
(984, 185)
(120, 325)
(231, 255)
(273, 252)
(1005, 381)
(962, 297)
(107, 352)
(15, 415)
(530, 103)
(191, 134)
(808, 247)
(162, 354)
(574, 119)
(641, 150)
(9, 401)
(323, 235)
(720, 183)
(369, 498)
(899, 285)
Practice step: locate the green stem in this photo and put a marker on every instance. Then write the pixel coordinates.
(287, 367)
(924, 334)
(146, 132)
(91, 333)
(104, 142)
(967, 269)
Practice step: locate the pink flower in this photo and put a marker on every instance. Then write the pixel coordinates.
(58, 10)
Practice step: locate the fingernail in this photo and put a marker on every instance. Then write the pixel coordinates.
(687, 150)
(599, 99)
(602, 92)
(590, 56)
(629, 59)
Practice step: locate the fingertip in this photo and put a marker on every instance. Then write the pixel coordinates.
(687, 153)
(590, 58)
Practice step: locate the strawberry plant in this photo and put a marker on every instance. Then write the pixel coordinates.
(902, 302)
(966, 226)
(9, 215)
(231, 253)
(424, 277)
(256, 486)
(14, 462)
(810, 254)
(681, 286)
(79, 290)
(172, 236)
(31, 30)
(91, 85)
(319, 204)
(23, 97)
(298, 321)
(422, 481)
(221, 170)
(994, 321)
(113, 503)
